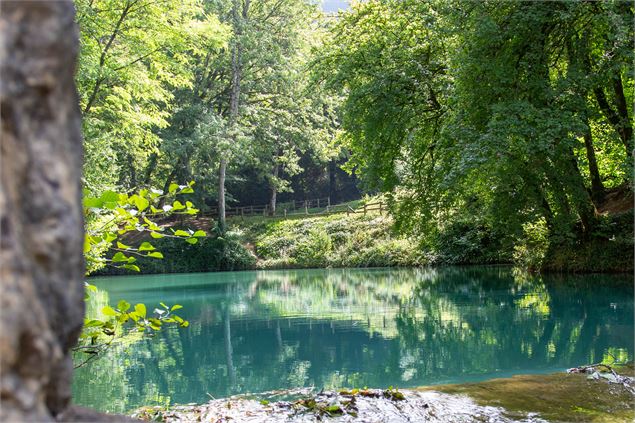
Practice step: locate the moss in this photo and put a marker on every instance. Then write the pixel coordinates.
(557, 397)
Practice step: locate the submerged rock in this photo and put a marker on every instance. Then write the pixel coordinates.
(364, 406)
(558, 397)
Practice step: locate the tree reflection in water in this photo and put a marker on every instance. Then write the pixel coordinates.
(258, 331)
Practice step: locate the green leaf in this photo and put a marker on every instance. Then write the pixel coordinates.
(141, 203)
(87, 244)
(131, 267)
(123, 246)
(156, 235)
(109, 197)
(155, 254)
(164, 306)
(146, 246)
(140, 309)
(123, 305)
(177, 205)
(92, 202)
(93, 323)
(109, 311)
(173, 187)
(155, 321)
(119, 257)
(191, 240)
(176, 307)
(181, 232)
(199, 234)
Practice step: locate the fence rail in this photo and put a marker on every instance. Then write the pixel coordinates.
(314, 207)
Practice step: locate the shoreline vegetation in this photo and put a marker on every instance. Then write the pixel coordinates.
(371, 240)
(570, 396)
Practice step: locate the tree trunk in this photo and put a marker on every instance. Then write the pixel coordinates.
(274, 190)
(333, 181)
(152, 165)
(234, 102)
(41, 294)
(597, 188)
(621, 127)
(222, 169)
(625, 122)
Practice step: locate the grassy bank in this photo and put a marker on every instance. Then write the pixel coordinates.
(370, 240)
(309, 242)
(333, 241)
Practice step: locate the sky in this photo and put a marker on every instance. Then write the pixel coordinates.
(334, 5)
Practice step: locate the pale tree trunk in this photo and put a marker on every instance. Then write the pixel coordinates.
(222, 170)
(274, 190)
(41, 294)
(234, 101)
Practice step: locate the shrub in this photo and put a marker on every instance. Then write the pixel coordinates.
(531, 249)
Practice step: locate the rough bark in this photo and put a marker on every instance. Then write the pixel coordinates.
(41, 294)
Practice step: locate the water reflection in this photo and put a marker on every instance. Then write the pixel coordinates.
(258, 331)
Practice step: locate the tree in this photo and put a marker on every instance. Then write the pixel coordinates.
(493, 109)
(134, 53)
(42, 263)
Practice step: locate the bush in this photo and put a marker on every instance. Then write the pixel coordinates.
(609, 248)
(464, 241)
(208, 255)
(530, 251)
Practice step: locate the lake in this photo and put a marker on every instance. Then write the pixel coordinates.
(266, 330)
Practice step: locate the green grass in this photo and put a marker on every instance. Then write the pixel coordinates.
(331, 241)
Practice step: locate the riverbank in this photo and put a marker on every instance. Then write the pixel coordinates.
(370, 240)
(557, 397)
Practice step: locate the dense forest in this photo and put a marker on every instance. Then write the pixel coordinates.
(310, 198)
(497, 132)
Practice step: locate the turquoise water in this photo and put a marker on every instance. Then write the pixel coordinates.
(267, 330)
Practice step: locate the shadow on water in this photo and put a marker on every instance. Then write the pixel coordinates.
(261, 331)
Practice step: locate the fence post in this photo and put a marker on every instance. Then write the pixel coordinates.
(264, 211)
(285, 212)
(380, 208)
(364, 209)
(328, 201)
(318, 203)
(306, 207)
(251, 210)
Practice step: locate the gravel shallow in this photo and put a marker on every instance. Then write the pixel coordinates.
(361, 406)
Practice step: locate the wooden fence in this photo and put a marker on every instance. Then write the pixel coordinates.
(315, 207)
